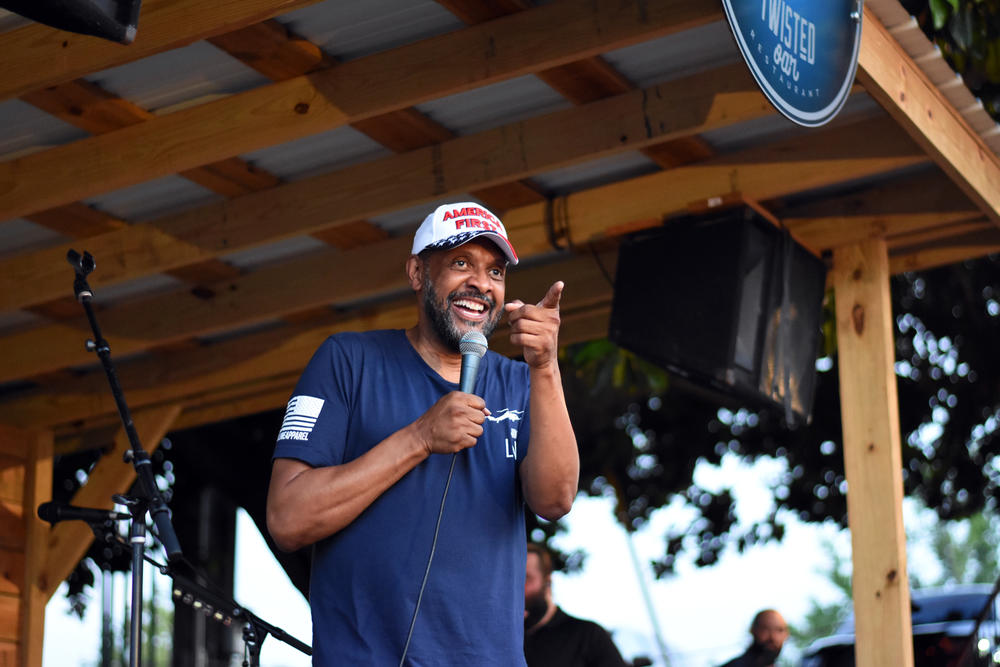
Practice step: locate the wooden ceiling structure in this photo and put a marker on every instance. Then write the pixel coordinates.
(906, 178)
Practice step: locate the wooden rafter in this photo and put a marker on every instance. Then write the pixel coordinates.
(902, 206)
(761, 174)
(271, 49)
(585, 80)
(318, 102)
(638, 118)
(588, 215)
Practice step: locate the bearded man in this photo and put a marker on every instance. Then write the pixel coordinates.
(412, 493)
(553, 638)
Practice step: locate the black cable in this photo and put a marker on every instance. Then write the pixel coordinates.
(600, 265)
(420, 595)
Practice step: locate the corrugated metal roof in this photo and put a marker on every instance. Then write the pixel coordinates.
(316, 154)
(24, 129)
(152, 199)
(20, 235)
(498, 104)
(676, 55)
(166, 80)
(591, 173)
(928, 57)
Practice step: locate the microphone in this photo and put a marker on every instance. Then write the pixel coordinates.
(55, 512)
(473, 347)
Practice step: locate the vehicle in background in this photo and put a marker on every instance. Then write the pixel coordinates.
(944, 620)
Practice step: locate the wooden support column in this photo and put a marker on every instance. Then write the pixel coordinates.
(872, 454)
(25, 481)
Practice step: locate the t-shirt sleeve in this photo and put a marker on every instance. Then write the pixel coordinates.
(314, 429)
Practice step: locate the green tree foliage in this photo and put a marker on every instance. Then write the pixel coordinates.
(968, 34)
(967, 551)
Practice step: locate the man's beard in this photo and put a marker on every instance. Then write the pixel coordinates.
(536, 606)
(438, 311)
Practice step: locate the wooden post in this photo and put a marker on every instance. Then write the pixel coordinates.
(872, 455)
(25, 481)
(37, 489)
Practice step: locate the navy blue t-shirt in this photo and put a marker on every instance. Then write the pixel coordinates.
(358, 389)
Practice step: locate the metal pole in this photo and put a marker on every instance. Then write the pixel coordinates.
(640, 576)
(137, 537)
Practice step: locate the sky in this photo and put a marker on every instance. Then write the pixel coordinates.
(703, 614)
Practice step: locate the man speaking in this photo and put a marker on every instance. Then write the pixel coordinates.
(412, 492)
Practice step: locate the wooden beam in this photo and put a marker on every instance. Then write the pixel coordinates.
(190, 374)
(37, 489)
(383, 82)
(982, 239)
(822, 159)
(813, 161)
(898, 84)
(872, 455)
(492, 157)
(69, 540)
(324, 277)
(581, 81)
(37, 56)
(78, 220)
(272, 50)
(89, 107)
(901, 206)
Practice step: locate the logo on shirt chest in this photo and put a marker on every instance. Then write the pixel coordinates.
(510, 440)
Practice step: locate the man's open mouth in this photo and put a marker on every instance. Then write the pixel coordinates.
(471, 308)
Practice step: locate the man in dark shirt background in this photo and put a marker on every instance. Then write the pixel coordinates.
(553, 638)
(769, 632)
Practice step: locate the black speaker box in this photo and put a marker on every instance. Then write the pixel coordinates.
(727, 301)
(116, 20)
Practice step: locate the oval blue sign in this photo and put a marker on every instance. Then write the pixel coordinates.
(803, 53)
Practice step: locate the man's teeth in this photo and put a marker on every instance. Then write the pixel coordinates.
(471, 305)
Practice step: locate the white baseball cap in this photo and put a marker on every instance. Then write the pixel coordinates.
(451, 225)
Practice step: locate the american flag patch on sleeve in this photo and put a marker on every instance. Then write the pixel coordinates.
(300, 417)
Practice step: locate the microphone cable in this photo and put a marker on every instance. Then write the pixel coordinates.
(472, 347)
(430, 558)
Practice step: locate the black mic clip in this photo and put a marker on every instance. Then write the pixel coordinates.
(83, 266)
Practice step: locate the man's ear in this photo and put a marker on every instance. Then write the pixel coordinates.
(415, 272)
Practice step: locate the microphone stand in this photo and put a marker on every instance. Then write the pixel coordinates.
(216, 606)
(151, 499)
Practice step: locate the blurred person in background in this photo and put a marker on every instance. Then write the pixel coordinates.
(553, 638)
(769, 632)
